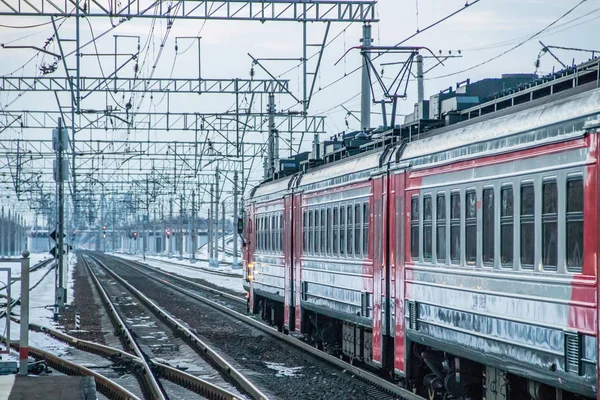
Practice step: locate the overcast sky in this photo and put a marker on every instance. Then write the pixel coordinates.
(484, 30)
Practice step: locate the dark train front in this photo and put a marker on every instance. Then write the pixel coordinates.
(457, 254)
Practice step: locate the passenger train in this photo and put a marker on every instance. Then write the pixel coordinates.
(464, 261)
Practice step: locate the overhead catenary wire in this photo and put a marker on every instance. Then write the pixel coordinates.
(489, 60)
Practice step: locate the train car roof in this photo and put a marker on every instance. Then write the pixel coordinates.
(348, 169)
(273, 187)
(571, 108)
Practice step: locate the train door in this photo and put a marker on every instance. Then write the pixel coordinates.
(397, 253)
(381, 292)
(288, 258)
(298, 238)
(248, 252)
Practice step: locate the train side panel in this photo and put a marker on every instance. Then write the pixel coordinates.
(504, 280)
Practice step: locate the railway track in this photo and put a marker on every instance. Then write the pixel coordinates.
(234, 306)
(158, 339)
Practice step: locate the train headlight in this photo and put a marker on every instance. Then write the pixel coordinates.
(250, 271)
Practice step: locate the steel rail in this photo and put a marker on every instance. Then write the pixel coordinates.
(174, 375)
(193, 340)
(361, 373)
(147, 376)
(104, 385)
(229, 296)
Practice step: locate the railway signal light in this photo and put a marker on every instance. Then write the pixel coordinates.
(134, 235)
(168, 232)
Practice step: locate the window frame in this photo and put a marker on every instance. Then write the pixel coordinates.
(547, 219)
(342, 232)
(358, 229)
(524, 220)
(323, 229)
(486, 262)
(427, 224)
(336, 231)
(415, 224)
(455, 225)
(440, 222)
(350, 229)
(506, 220)
(470, 222)
(305, 231)
(366, 210)
(574, 217)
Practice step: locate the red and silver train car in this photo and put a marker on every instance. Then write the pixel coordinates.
(465, 262)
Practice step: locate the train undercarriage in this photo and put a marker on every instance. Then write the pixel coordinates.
(432, 373)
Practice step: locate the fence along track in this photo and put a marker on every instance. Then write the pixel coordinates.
(361, 373)
(194, 341)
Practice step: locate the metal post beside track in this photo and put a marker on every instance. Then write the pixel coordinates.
(24, 338)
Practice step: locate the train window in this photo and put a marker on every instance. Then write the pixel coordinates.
(471, 227)
(329, 229)
(323, 231)
(414, 227)
(440, 227)
(527, 226)
(488, 226)
(506, 227)
(261, 233)
(305, 230)
(342, 231)
(281, 232)
(349, 230)
(427, 229)
(549, 224)
(455, 227)
(274, 225)
(336, 227)
(574, 224)
(366, 216)
(317, 232)
(257, 234)
(357, 230)
(311, 232)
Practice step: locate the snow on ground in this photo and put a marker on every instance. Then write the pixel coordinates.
(41, 304)
(197, 270)
(283, 371)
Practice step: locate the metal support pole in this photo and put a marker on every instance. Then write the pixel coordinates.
(3, 234)
(103, 241)
(420, 88)
(181, 228)
(365, 100)
(216, 221)
(114, 236)
(24, 338)
(9, 235)
(209, 232)
(145, 225)
(193, 231)
(210, 226)
(61, 291)
(223, 231)
(235, 262)
(273, 154)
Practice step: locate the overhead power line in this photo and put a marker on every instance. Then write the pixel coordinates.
(512, 48)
